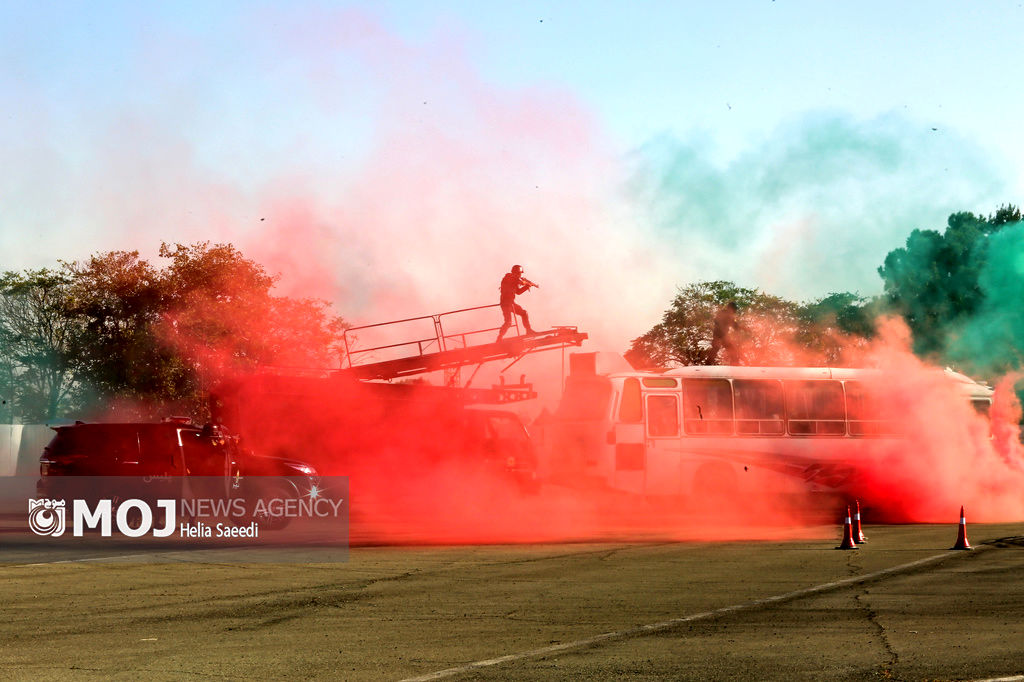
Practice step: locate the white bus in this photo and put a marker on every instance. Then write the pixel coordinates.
(706, 430)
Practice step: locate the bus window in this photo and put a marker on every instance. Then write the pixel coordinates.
(759, 408)
(869, 413)
(707, 406)
(815, 408)
(662, 416)
(982, 406)
(631, 408)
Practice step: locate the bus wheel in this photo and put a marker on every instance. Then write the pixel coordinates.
(714, 487)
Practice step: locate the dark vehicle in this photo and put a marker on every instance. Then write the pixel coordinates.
(178, 457)
(380, 434)
(499, 441)
(168, 448)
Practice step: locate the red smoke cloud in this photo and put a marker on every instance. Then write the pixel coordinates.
(417, 475)
(456, 181)
(459, 181)
(952, 456)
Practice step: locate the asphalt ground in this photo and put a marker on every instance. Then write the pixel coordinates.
(901, 607)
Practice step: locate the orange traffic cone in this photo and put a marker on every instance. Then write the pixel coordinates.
(961, 535)
(848, 542)
(858, 535)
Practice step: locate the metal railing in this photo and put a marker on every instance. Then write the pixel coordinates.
(438, 342)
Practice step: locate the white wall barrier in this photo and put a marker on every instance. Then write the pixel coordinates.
(10, 441)
(20, 447)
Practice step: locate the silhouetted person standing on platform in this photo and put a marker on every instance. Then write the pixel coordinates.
(722, 335)
(513, 284)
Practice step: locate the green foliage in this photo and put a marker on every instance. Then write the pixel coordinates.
(684, 335)
(120, 298)
(933, 280)
(832, 325)
(129, 333)
(39, 370)
(770, 330)
(989, 342)
(961, 291)
(221, 313)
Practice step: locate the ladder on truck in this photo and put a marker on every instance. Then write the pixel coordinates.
(449, 352)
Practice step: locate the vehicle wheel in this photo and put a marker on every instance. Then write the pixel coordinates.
(258, 490)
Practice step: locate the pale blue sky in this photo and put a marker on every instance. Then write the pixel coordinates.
(731, 70)
(126, 123)
(680, 66)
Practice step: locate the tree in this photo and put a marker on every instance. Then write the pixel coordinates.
(120, 299)
(769, 330)
(831, 326)
(1004, 215)
(933, 280)
(41, 372)
(150, 340)
(685, 334)
(223, 317)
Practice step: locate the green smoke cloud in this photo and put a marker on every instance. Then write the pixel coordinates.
(992, 340)
(815, 206)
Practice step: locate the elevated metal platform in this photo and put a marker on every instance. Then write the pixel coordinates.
(510, 348)
(404, 357)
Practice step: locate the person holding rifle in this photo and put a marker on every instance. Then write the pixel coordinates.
(513, 284)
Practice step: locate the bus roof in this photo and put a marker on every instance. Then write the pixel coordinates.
(965, 384)
(744, 372)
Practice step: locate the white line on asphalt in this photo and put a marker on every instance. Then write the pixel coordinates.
(75, 561)
(667, 624)
(1011, 678)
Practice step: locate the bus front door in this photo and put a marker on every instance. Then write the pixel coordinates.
(662, 473)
